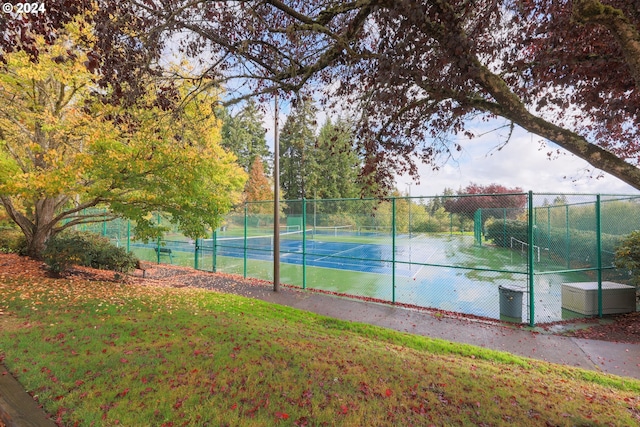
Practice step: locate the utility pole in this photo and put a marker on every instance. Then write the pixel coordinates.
(409, 184)
(276, 201)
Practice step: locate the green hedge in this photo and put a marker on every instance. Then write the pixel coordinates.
(501, 231)
(578, 245)
(574, 245)
(628, 256)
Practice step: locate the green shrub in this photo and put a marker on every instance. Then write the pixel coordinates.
(501, 231)
(578, 245)
(106, 256)
(86, 249)
(430, 226)
(628, 255)
(11, 241)
(66, 250)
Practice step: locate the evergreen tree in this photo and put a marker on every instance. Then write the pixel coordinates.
(297, 144)
(244, 135)
(336, 163)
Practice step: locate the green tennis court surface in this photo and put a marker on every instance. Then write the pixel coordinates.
(447, 272)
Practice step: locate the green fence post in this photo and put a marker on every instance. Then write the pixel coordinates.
(246, 222)
(477, 226)
(549, 231)
(599, 254)
(450, 224)
(504, 226)
(104, 223)
(158, 241)
(531, 260)
(196, 253)
(128, 235)
(393, 250)
(409, 199)
(213, 260)
(304, 243)
(567, 241)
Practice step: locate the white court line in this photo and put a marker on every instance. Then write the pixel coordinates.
(423, 266)
(338, 253)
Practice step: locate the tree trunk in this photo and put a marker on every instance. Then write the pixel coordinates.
(42, 230)
(37, 244)
(37, 231)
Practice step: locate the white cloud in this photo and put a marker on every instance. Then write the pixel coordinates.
(522, 162)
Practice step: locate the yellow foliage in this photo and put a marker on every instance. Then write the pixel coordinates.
(59, 140)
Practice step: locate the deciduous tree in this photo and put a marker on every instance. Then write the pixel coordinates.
(416, 70)
(493, 199)
(258, 189)
(63, 151)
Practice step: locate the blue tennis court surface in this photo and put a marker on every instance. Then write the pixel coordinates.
(449, 272)
(361, 257)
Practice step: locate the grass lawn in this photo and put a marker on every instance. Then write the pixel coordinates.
(103, 354)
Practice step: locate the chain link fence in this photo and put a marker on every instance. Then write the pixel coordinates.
(527, 258)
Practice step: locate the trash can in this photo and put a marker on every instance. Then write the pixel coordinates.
(510, 302)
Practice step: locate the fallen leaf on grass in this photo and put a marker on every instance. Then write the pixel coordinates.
(282, 415)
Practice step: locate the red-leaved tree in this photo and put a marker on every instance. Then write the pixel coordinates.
(495, 200)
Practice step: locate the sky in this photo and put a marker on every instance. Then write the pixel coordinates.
(523, 162)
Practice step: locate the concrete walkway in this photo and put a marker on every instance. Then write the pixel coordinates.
(18, 409)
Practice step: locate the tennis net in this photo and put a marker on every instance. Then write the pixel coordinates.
(333, 230)
(258, 243)
(524, 248)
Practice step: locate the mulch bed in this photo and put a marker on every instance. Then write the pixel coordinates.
(624, 328)
(620, 328)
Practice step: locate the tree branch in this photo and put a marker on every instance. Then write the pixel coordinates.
(626, 34)
(509, 106)
(23, 222)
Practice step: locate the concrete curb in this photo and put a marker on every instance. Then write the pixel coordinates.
(17, 407)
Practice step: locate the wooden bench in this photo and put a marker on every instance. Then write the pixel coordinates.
(164, 251)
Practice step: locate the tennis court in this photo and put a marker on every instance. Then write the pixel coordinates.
(409, 250)
(411, 254)
(443, 271)
(313, 251)
(338, 252)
